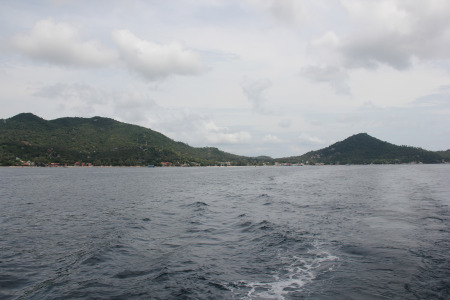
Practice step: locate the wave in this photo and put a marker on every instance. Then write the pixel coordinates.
(287, 259)
(289, 280)
(195, 205)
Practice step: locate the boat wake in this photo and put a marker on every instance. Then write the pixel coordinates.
(290, 279)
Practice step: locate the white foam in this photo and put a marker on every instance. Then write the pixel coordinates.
(297, 272)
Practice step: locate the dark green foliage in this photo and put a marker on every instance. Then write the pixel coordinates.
(364, 149)
(103, 141)
(99, 141)
(444, 154)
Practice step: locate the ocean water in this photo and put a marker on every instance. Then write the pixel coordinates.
(329, 232)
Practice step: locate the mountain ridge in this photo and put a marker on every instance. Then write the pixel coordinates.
(97, 140)
(362, 148)
(29, 139)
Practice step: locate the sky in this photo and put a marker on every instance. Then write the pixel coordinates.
(250, 77)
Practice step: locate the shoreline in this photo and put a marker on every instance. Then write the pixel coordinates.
(251, 166)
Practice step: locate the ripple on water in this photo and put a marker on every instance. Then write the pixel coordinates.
(293, 273)
(232, 233)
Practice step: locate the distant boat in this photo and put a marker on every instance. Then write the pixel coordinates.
(151, 166)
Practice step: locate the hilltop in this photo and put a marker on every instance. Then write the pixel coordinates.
(365, 149)
(98, 141)
(29, 139)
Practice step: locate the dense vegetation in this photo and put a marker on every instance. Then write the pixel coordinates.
(364, 149)
(98, 141)
(445, 155)
(29, 139)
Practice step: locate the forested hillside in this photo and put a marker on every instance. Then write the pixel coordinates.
(98, 141)
(365, 149)
(27, 139)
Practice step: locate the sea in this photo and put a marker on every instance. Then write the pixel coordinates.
(299, 232)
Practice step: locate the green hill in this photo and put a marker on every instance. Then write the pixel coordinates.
(102, 141)
(365, 149)
(99, 141)
(445, 155)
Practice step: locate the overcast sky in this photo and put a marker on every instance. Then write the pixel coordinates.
(251, 77)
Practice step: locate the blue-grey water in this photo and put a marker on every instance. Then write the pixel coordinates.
(330, 232)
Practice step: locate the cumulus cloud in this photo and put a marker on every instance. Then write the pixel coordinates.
(310, 140)
(337, 77)
(329, 39)
(136, 107)
(396, 32)
(61, 43)
(194, 128)
(284, 11)
(326, 48)
(128, 104)
(254, 90)
(392, 33)
(156, 61)
(269, 138)
(222, 135)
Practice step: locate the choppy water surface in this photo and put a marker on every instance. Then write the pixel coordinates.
(333, 232)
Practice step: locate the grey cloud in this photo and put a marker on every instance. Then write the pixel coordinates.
(386, 49)
(271, 139)
(285, 123)
(133, 106)
(444, 88)
(416, 29)
(425, 117)
(156, 61)
(86, 99)
(284, 11)
(254, 90)
(388, 32)
(437, 100)
(138, 108)
(195, 128)
(61, 43)
(307, 139)
(335, 76)
(72, 91)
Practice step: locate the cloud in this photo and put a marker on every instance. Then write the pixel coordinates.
(438, 100)
(135, 107)
(392, 33)
(71, 91)
(310, 140)
(127, 104)
(194, 128)
(287, 11)
(155, 61)
(254, 90)
(269, 138)
(61, 44)
(329, 39)
(396, 32)
(444, 88)
(326, 49)
(337, 77)
(285, 123)
(284, 11)
(222, 135)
